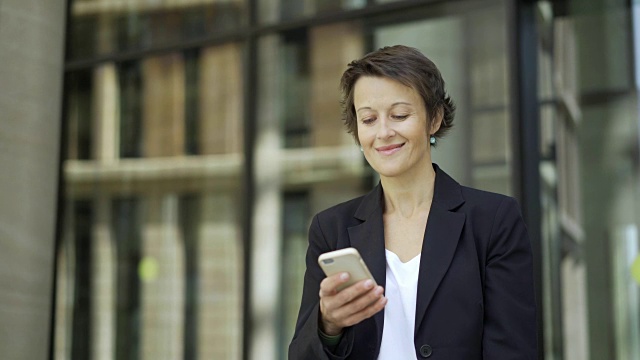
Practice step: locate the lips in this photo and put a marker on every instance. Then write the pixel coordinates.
(389, 149)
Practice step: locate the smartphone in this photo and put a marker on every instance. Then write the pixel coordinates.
(345, 260)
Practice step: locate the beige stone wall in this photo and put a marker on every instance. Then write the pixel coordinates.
(344, 42)
(163, 105)
(162, 294)
(31, 58)
(220, 275)
(220, 99)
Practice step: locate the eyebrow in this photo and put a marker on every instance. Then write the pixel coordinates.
(392, 105)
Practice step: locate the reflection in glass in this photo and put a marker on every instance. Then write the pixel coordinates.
(188, 223)
(79, 107)
(126, 228)
(294, 245)
(297, 173)
(156, 271)
(220, 103)
(130, 81)
(155, 278)
(82, 311)
(473, 62)
(162, 95)
(104, 27)
(590, 126)
(192, 103)
(270, 11)
(151, 262)
(295, 72)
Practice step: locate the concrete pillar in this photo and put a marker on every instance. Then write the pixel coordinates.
(266, 242)
(220, 275)
(105, 149)
(162, 273)
(103, 270)
(31, 59)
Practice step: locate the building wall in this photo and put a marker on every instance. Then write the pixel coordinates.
(157, 259)
(31, 58)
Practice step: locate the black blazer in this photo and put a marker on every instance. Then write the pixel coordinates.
(475, 288)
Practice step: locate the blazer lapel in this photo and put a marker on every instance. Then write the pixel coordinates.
(368, 238)
(440, 240)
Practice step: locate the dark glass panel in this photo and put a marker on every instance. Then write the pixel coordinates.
(126, 230)
(295, 218)
(130, 110)
(189, 222)
(191, 108)
(103, 27)
(79, 102)
(81, 337)
(296, 88)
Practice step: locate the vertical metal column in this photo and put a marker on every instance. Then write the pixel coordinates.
(248, 194)
(525, 132)
(62, 154)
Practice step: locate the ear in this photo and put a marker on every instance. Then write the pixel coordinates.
(436, 121)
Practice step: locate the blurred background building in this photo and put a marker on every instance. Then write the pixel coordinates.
(198, 137)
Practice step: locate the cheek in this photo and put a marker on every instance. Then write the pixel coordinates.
(364, 133)
(419, 130)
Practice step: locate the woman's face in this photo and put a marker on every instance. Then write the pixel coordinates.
(392, 126)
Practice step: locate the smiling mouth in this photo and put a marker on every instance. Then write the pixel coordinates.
(389, 149)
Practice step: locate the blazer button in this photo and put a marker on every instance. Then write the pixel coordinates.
(425, 351)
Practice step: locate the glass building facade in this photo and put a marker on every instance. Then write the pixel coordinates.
(200, 137)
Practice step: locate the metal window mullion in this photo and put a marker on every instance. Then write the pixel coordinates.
(525, 120)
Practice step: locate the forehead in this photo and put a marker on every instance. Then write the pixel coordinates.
(370, 90)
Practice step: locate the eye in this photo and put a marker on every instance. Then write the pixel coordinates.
(368, 120)
(399, 117)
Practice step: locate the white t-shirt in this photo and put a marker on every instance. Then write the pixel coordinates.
(400, 312)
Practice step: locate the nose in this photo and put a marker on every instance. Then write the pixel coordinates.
(385, 130)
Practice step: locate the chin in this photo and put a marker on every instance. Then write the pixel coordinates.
(389, 172)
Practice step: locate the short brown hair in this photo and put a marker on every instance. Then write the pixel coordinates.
(411, 68)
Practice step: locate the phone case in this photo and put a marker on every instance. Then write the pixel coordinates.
(345, 260)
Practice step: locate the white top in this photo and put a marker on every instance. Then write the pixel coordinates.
(400, 312)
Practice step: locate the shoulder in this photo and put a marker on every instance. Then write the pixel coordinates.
(349, 213)
(330, 227)
(488, 205)
(340, 211)
(485, 198)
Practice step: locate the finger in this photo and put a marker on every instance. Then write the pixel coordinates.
(333, 299)
(360, 303)
(329, 285)
(333, 307)
(354, 291)
(365, 313)
(352, 313)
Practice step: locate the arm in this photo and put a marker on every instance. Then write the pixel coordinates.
(509, 300)
(324, 309)
(306, 343)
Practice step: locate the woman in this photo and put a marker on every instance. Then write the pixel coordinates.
(453, 264)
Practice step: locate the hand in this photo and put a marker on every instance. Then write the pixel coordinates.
(351, 305)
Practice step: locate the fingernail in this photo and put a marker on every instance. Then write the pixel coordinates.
(344, 276)
(368, 284)
(379, 290)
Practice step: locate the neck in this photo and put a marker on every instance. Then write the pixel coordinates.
(409, 195)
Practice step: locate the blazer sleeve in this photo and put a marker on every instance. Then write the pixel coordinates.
(509, 300)
(306, 343)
